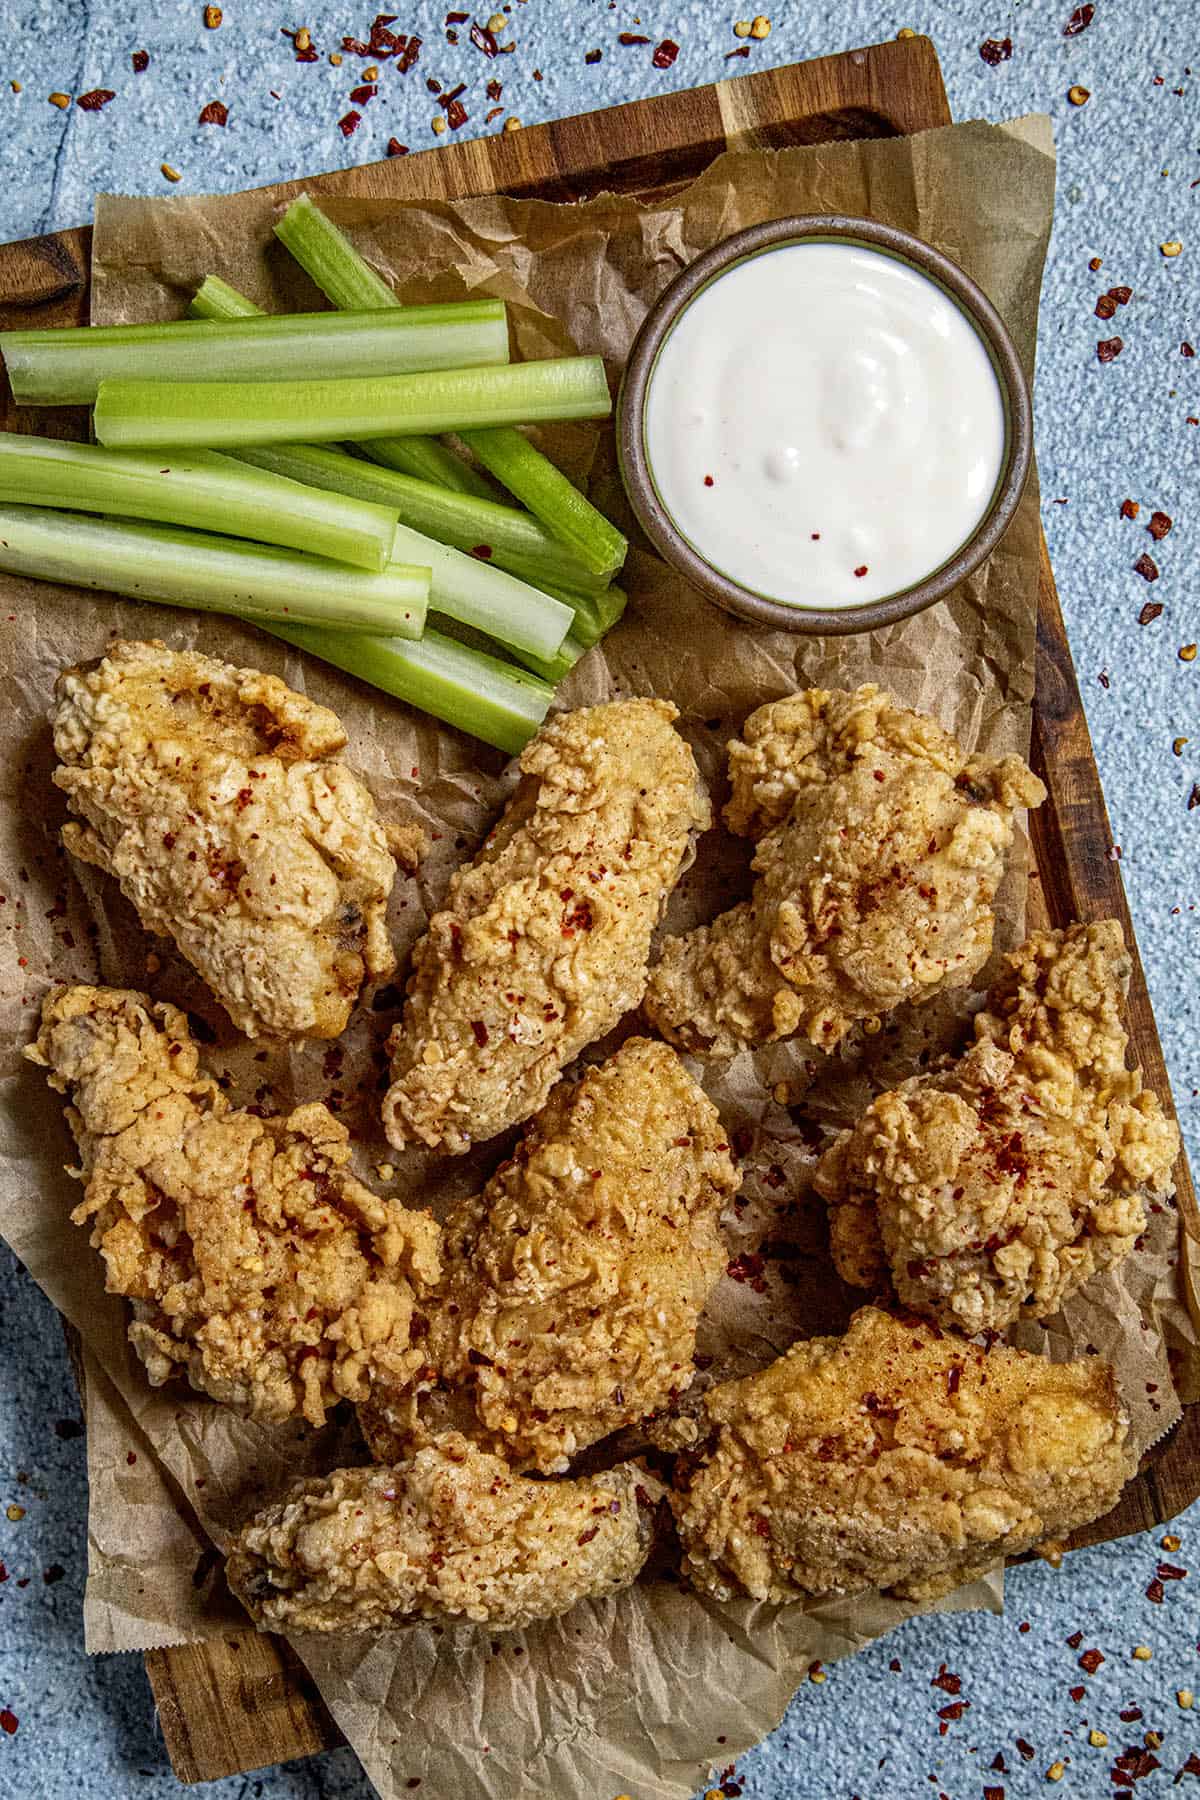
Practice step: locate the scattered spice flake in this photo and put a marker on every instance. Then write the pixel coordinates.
(1122, 295)
(1079, 21)
(456, 114)
(1146, 567)
(708, 481)
(485, 39)
(1106, 307)
(494, 89)
(1096, 262)
(437, 124)
(1190, 1767)
(14, 1513)
(170, 173)
(1077, 1693)
(8, 1721)
(742, 50)
(1178, 746)
(349, 123)
(60, 100)
(396, 148)
(457, 18)
(1074, 1641)
(362, 96)
(1170, 1572)
(493, 112)
(1079, 96)
(215, 113)
(631, 37)
(592, 56)
(1151, 611)
(141, 61)
(1155, 1591)
(1130, 509)
(1108, 349)
(95, 100)
(1090, 1661)
(1187, 652)
(1027, 1750)
(212, 17)
(995, 51)
(861, 570)
(665, 54)
(1173, 247)
(1160, 524)
(947, 1681)
(1186, 349)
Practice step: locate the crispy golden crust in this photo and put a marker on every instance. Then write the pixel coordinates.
(208, 792)
(880, 847)
(257, 1265)
(543, 941)
(895, 1457)
(452, 1534)
(1003, 1183)
(574, 1282)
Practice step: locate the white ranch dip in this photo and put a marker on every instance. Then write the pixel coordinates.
(824, 425)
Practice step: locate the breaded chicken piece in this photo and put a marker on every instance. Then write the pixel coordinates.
(880, 847)
(543, 941)
(1001, 1184)
(574, 1282)
(895, 1457)
(210, 793)
(257, 1265)
(452, 1534)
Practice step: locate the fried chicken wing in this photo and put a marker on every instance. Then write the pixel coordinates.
(543, 941)
(895, 1457)
(880, 847)
(452, 1534)
(1001, 1184)
(574, 1282)
(257, 1265)
(210, 793)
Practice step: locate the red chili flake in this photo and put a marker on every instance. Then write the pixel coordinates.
(1077, 1693)
(742, 50)
(585, 1537)
(54, 1573)
(1122, 295)
(1146, 567)
(215, 113)
(493, 112)
(1027, 1750)
(308, 56)
(1079, 21)
(1074, 1641)
(995, 51)
(1090, 1661)
(484, 40)
(95, 100)
(1190, 1767)
(8, 1721)
(457, 18)
(948, 1682)
(396, 148)
(349, 124)
(708, 481)
(1170, 1572)
(1106, 307)
(494, 89)
(1155, 1591)
(1151, 611)
(954, 1710)
(665, 54)
(482, 551)
(362, 96)
(1160, 524)
(762, 1526)
(479, 1031)
(631, 37)
(408, 55)
(1186, 349)
(1130, 509)
(953, 1378)
(748, 1266)
(456, 114)
(141, 61)
(1131, 1715)
(1108, 349)
(993, 1793)
(593, 56)
(861, 570)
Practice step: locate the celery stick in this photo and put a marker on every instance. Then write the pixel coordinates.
(513, 540)
(594, 613)
(492, 601)
(557, 667)
(423, 457)
(550, 497)
(477, 693)
(67, 367)
(329, 257)
(200, 489)
(214, 574)
(219, 415)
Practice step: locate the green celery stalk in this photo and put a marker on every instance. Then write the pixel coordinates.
(550, 497)
(557, 667)
(492, 601)
(68, 367)
(515, 540)
(140, 414)
(595, 614)
(328, 256)
(214, 574)
(423, 457)
(200, 489)
(464, 687)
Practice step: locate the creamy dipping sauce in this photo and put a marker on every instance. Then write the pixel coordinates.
(824, 425)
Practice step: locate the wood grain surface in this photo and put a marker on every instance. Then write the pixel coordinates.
(243, 1702)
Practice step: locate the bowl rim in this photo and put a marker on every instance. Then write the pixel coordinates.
(720, 588)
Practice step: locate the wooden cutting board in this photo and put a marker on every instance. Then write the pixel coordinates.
(242, 1702)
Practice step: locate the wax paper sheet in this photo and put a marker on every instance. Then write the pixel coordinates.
(637, 1693)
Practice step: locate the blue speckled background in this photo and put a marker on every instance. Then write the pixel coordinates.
(1129, 175)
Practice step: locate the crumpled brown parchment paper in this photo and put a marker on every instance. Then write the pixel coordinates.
(640, 1692)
